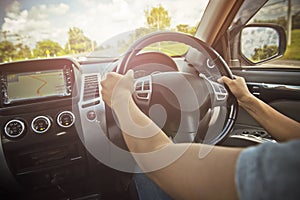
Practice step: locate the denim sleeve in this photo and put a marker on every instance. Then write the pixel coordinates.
(269, 171)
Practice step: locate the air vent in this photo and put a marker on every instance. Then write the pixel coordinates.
(91, 87)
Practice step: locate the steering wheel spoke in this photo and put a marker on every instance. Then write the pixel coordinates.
(143, 88)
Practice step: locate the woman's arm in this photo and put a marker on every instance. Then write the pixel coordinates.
(278, 125)
(185, 171)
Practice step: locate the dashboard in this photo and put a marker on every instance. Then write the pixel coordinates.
(24, 86)
(40, 147)
(49, 111)
(58, 138)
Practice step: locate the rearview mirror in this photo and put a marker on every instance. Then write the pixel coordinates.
(260, 43)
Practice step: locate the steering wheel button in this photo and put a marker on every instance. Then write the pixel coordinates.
(216, 88)
(223, 90)
(146, 87)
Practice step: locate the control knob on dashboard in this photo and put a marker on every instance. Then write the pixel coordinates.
(40, 124)
(65, 119)
(14, 128)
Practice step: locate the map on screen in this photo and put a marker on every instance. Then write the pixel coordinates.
(33, 85)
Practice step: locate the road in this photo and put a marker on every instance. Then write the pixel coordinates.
(38, 91)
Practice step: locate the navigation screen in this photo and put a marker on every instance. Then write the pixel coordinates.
(33, 85)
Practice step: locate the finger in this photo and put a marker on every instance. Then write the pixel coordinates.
(111, 75)
(240, 78)
(224, 79)
(103, 80)
(107, 77)
(102, 83)
(130, 74)
(236, 77)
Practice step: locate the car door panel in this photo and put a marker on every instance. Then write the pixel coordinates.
(280, 89)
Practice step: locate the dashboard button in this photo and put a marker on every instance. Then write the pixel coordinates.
(14, 128)
(65, 119)
(40, 124)
(91, 115)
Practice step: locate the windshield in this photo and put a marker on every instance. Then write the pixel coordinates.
(52, 28)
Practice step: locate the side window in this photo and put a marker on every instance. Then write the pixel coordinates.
(285, 13)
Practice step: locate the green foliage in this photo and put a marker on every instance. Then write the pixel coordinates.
(186, 29)
(158, 18)
(293, 51)
(47, 48)
(296, 21)
(169, 48)
(183, 28)
(280, 21)
(7, 51)
(264, 53)
(78, 42)
(23, 52)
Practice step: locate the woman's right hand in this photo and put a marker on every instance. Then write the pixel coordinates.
(238, 88)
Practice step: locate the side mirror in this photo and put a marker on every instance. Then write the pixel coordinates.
(262, 42)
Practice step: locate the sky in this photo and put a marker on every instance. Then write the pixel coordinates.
(36, 20)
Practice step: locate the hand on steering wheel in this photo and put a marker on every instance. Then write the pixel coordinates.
(182, 96)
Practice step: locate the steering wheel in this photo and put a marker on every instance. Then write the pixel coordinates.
(189, 107)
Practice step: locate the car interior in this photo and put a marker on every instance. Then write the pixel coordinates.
(59, 140)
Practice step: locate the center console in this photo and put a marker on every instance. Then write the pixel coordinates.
(39, 138)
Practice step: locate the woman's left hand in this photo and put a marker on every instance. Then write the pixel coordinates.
(116, 87)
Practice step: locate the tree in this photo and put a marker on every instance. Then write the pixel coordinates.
(47, 48)
(296, 21)
(280, 21)
(186, 29)
(264, 53)
(193, 30)
(4, 34)
(78, 42)
(158, 18)
(183, 28)
(23, 52)
(7, 51)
